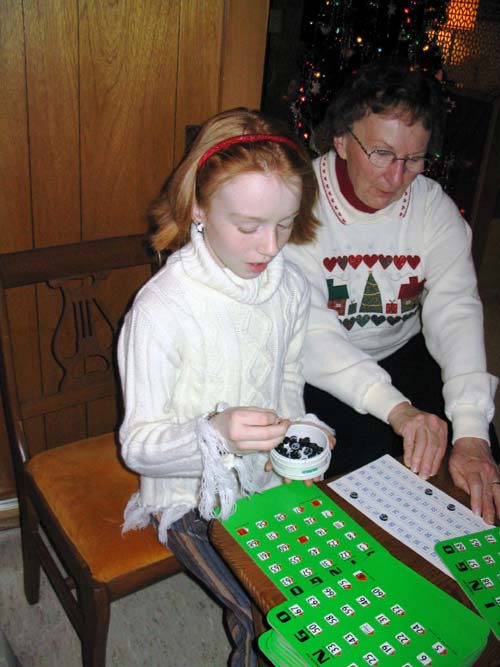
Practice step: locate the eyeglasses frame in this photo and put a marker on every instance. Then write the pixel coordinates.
(428, 159)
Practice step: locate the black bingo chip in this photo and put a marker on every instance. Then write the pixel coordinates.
(298, 448)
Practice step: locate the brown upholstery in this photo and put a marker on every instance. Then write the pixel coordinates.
(87, 487)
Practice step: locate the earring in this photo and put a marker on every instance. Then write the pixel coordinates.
(200, 226)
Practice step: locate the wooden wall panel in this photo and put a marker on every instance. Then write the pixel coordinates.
(51, 29)
(15, 202)
(244, 53)
(128, 60)
(200, 54)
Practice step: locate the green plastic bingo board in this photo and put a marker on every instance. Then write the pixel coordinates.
(474, 561)
(349, 602)
(380, 614)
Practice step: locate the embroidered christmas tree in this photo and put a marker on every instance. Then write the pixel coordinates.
(371, 302)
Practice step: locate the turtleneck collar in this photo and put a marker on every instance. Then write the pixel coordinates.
(347, 189)
(200, 266)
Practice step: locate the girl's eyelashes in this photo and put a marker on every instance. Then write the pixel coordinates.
(251, 229)
(247, 230)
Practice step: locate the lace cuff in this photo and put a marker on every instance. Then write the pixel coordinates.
(219, 485)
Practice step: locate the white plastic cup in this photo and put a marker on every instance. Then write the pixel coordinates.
(303, 468)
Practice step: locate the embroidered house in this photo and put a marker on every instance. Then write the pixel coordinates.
(409, 294)
(337, 296)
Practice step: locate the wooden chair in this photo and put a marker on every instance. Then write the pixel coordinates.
(72, 495)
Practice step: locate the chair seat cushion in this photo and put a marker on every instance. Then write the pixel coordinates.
(87, 488)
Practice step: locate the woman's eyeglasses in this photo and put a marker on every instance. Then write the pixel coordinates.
(379, 157)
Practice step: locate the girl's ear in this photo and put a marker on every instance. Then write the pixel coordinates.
(339, 145)
(197, 213)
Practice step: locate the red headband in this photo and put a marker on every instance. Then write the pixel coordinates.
(243, 139)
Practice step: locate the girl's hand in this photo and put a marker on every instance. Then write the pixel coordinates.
(251, 429)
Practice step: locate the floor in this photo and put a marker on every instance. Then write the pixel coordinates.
(174, 623)
(171, 624)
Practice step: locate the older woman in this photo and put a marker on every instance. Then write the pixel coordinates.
(395, 343)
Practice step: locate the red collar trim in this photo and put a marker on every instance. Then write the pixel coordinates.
(346, 188)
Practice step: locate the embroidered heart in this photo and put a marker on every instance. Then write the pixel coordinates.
(355, 260)
(385, 260)
(362, 320)
(329, 263)
(370, 260)
(399, 261)
(393, 320)
(408, 315)
(348, 322)
(413, 260)
(378, 319)
(342, 261)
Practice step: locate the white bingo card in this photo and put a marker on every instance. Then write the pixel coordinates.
(412, 510)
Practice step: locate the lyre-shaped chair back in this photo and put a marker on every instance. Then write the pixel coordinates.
(83, 340)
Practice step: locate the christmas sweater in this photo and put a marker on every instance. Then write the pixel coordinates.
(377, 280)
(198, 335)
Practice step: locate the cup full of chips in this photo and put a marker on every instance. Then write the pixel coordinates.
(304, 453)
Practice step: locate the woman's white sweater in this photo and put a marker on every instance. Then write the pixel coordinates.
(378, 279)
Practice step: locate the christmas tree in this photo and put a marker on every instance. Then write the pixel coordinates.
(340, 35)
(371, 302)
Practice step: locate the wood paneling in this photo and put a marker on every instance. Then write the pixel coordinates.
(200, 53)
(128, 64)
(244, 52)
(15, 200)
(51, 30)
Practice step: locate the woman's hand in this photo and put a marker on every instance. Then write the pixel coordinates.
(424, 438)
(474, 470)
(250, 429)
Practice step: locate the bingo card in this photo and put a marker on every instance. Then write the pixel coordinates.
(412, 510)
(474, 561)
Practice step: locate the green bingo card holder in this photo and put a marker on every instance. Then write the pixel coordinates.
(474, 561)
(299, 537)
(380, 614)
(349, 602)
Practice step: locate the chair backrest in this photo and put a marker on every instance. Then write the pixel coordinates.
(60, 310)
